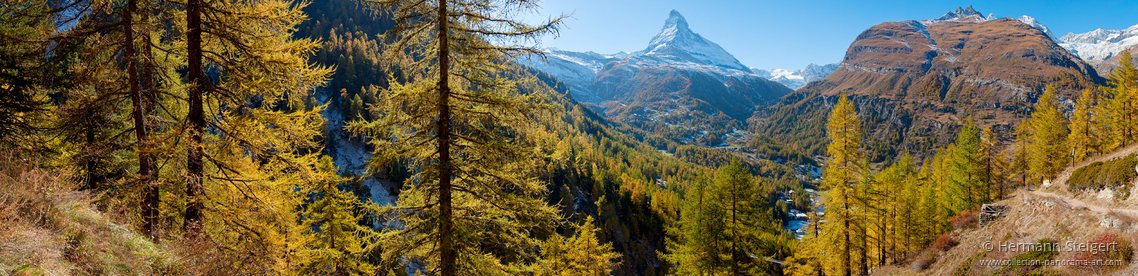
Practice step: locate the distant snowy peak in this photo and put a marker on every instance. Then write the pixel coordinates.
(675, 29)
(1035, 23)
(797, 78)
(1100, 44)
(677, 42)
(960, 14)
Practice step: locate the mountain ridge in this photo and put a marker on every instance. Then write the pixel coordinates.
(915, 83)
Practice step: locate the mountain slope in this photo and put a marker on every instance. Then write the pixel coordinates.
(679, 80)
(916, 82)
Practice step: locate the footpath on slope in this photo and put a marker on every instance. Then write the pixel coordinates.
(1061, 181)
(1079, 203)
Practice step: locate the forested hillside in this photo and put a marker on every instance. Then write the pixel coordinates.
(210, 137)
(904, 214)
(199, 126)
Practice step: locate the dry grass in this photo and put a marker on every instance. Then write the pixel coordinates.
(1030, 218)
(49, 228)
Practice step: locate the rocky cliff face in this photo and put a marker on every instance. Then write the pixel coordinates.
(916, 82)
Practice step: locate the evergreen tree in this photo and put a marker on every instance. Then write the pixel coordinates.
(1120, 103)
(460, 123)
(995, 166)
(907, 226)
(24, 65)
(722, 229)
(336, 241)
(1019, 164)
(693, 244)
(1049, 152)
(894, 204)
(247, 152)
(839, 177)
(968, 175)
(747, 227)
(1082, 139)
(807, 258)
(581, 254)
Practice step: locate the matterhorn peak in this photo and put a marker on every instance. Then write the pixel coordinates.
(675, 28)
(677, 42)
(676, 21)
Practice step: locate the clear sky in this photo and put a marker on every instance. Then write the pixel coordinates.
(790, 34)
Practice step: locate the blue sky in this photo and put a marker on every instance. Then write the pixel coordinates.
(790, 34)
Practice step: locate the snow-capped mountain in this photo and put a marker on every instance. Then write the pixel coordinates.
(576, 69)
(797, 78)
(597, 78)
(675, 46)
(1101, 44)
(679, 80)
(677, 42)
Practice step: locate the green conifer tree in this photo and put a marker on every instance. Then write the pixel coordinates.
(471, 201)
(967, 169)
(580, 254)
(335, 240)
(1082, 139)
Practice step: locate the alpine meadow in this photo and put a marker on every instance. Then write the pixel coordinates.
(558, 137)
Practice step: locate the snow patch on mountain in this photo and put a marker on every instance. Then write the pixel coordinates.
(1100, 44)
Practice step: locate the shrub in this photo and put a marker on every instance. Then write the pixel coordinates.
(922, 263)
(1100, 175)
(1122, 250)
(1023, 262)
(966, 267)
(1084, 177)
(945, 242)
(966, 219)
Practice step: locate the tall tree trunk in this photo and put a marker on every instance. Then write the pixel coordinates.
(89, 160)
(447, 254)
(196, 116)
(150, 101)
(846, 231)
(735, 256)
(149, 209)
(863, 263)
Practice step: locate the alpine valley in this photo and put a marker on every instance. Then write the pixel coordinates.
(381, 137)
